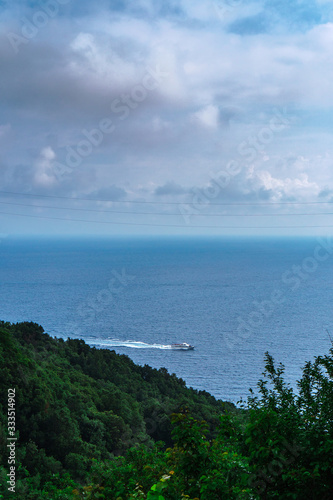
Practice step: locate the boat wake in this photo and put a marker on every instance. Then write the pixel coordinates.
(124, 343)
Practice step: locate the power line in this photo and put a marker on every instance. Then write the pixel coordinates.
(167, 202)
(160, 213)
(166, 225)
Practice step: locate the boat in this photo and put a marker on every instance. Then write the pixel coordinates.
(182, 347)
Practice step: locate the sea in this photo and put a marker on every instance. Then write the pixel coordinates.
(234, 299)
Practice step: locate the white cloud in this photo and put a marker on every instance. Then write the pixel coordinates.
(44, 174)
(208, 116)
(228, 84)
(99, 62)
(299, 187)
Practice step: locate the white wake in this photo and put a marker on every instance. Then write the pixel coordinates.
(124, 343)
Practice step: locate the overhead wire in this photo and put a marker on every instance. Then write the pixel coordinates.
(151, 224)
(255, 203)
(188, 226)
(162, 213)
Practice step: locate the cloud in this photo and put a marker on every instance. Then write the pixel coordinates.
(297, 188)
(324, 193)
(109, 193)
(223, 74)
(208, 116)
(44, 173)
(170, 188)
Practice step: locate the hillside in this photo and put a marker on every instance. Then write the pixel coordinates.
(81, 423)
(75, 403)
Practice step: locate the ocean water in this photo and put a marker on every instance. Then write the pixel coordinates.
(234, 299)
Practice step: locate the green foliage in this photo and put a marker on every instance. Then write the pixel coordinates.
(289, 436)
(76, 405)
(93, 425)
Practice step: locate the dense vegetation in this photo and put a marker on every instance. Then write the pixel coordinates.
(92, 424)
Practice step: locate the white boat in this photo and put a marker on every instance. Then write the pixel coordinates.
(182, 347)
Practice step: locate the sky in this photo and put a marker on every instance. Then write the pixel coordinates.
(159, 117)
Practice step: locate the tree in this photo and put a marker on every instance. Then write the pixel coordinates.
(289, 437)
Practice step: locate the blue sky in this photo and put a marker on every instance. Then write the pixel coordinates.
(157, 117)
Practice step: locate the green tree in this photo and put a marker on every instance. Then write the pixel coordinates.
(289, 436)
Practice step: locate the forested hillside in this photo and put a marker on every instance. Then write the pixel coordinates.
(75, 403)
(91, 424)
